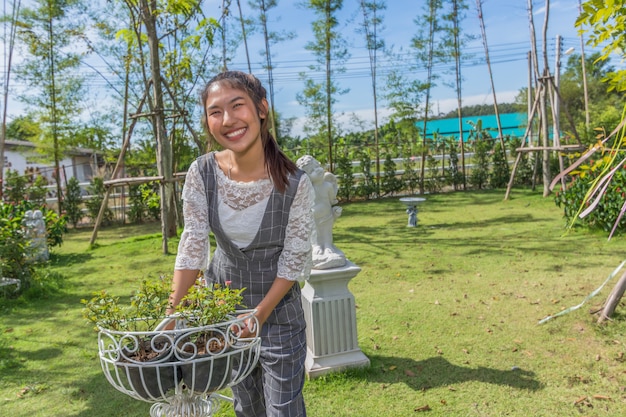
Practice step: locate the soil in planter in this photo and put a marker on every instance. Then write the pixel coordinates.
(206, 372)
(166, 373)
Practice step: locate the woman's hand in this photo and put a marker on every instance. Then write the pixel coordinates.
(248, 327)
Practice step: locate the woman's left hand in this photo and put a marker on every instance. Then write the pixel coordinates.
(248, 326)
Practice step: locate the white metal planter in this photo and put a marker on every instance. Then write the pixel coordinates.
(179, 382)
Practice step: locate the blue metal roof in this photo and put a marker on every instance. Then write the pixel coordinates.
(513, 124)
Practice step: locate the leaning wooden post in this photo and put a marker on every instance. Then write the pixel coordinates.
(116, 170)
(613, 300)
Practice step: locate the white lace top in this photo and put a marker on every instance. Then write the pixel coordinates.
(241, 207)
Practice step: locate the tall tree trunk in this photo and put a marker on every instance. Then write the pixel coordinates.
(459, 79)
(493, 89)
(164, 148)
(371, 39)
(329, 110)
(15, 12)
(245, 37)
(547, 178)
(270, 69)
(55, 128)
(429, 78)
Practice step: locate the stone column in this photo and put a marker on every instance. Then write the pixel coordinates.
(330, 313)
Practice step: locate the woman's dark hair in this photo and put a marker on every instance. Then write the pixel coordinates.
(277, 163)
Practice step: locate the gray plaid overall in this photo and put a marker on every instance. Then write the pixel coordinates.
(274, 388)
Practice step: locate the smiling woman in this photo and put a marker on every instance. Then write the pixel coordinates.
(258, 205)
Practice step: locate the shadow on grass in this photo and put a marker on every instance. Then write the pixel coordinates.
(69, 259)
(439, 372)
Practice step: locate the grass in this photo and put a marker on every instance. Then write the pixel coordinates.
(446, 312)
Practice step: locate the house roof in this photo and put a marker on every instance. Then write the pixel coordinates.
(15, 144)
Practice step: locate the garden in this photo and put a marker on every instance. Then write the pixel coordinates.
(447, 313)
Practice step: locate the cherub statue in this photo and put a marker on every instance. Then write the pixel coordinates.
(325, 253)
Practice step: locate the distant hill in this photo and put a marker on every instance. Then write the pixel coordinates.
(483, 110)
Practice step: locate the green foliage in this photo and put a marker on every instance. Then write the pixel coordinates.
(366, 186)
(73, 202)
(50, 36)
(343, 170)
(13, 245)
(205, 305)
(524, 173)
(390, 183)
(607, 21)
(499, 176)
(15, 186)
(479, 175)
(434, 181)
(15, 248)
(410, 176)
(144, 203)
(56, 226)
(146, 309)
(96, 190)
(454, 175)
(37, 190)
(575, 197)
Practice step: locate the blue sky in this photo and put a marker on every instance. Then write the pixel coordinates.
(508, 38)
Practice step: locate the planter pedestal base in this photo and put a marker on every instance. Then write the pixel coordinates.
(330, 314)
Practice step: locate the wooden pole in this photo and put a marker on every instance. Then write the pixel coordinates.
(116, 170)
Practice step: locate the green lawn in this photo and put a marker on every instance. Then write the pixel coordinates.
(447, 313)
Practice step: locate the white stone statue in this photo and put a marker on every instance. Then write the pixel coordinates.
(325, 254)
(35, 232)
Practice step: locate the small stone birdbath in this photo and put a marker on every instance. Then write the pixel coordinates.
(411, 204)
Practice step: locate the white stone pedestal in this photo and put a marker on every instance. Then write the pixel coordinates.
(330, 315)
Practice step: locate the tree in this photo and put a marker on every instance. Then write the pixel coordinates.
(50, 32)
(427, 46)
(73, 201)
(603, 101)
(454, 43)
(270, 38)
(372, 20)
(330, 52)
(168, 42)
(607, 28)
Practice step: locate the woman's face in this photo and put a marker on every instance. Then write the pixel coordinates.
(232, 118)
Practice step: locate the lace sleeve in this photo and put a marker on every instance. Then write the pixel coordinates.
(193, 247)
(295, 261)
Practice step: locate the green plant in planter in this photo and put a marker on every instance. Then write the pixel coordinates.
(140, 358)
(144, 354)
(205, 348)
(204, 305)
(147, 307)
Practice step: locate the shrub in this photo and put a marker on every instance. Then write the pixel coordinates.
(499, 177)
(454, 176)
(433, 182)
(390, 182)
(15, 186)
(480, 172)
(96, 190)
(573, 199)
(366, 187)
(346, 179)
(410, 176)
(73, 202)
(13, 245)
